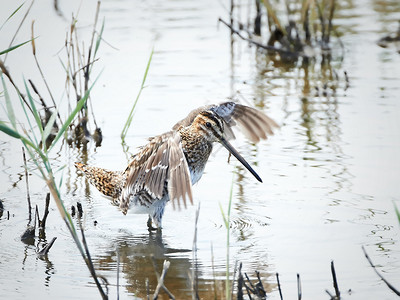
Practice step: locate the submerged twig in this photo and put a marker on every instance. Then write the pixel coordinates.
(161, 281)
(159, 286)
(262, 46)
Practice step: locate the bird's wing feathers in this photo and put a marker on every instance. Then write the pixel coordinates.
(254, 124)
(161, 160)
(179, 182)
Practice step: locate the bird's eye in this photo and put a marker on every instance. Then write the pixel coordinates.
(208, 124)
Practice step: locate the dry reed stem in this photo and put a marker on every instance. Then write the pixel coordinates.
(41, 72)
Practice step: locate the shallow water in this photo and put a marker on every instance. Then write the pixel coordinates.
(330, 173)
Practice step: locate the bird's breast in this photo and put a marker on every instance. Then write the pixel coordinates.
(197, 157)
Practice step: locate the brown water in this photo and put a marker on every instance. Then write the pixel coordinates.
(331, 173)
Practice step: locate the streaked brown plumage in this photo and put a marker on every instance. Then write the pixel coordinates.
(166, 167)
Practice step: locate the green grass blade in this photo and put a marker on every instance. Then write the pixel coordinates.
(130, 117)
(397, 212)
(223, 216)
(9, 131)
(99, 38)
(34, 110)
(15, 134)
(28, 119)
(10, 110)
(14, 12)
(14, 47)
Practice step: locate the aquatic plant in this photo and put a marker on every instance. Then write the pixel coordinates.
(78, 67)
(227, 220)
(34, 133)
(142, 86)
(309, 28)
(39, 151)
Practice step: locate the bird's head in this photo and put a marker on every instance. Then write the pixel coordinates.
(211, 126)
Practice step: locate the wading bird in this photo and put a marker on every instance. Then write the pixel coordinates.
(167, 167)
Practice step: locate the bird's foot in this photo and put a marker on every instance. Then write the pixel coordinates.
(150, 226)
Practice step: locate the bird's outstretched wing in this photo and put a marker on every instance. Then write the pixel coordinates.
(254, 124)
(159, 163)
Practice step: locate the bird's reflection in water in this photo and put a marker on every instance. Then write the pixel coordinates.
(136, 266)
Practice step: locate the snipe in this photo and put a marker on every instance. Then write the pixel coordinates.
(167, 167)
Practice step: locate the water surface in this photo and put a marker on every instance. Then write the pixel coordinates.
(330, 173)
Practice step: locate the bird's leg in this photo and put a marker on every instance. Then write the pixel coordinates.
(150, 225)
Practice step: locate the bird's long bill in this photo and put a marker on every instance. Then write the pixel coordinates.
(236, 154)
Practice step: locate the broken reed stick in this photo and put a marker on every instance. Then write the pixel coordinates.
(240, 283)
(27, 186)
(279, 286)
(46, 211)
(298, 287)
(335, 284)
(45, 250)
